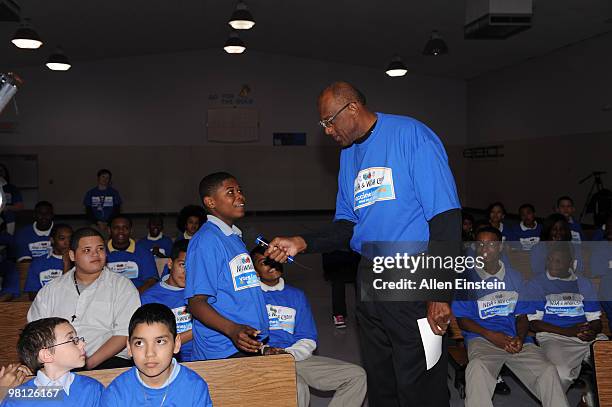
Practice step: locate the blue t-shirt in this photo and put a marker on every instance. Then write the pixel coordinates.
(601, 266)
(563, 303)
(30, 243)
(187, 389)
(394, 182)
(527, 237)
(135, 263)
(290, 317)
(84, 392)
(42, 270)
(495, 310)
(576, 230)
(219, 266)
(164, 244)
(12, 196)
(539, 253)
(599, 234)
(9, 279)
(102, 202)
(173, 298)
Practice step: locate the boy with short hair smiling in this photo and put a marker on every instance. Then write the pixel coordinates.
(45, 268)
(222, 287)
(33, 241)
(157, 379)
(169, 291)
(50, 348)
(528, 231)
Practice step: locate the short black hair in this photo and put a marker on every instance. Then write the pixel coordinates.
(564, 198)
(489, 229)
(35, 336)
(259, 249)
(527, 206)
(105, 171)
(467, 216)
(187, 212)
(180, 246)
(548, 224)
(210, 183)
(59, 226)
(42, 204)
(81, 233)
(153, 313)
(120, 216)
(493, 205)
(345, 92)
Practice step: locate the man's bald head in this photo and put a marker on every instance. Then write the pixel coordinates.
(343, 92)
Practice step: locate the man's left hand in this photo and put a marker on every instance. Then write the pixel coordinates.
(438, 316)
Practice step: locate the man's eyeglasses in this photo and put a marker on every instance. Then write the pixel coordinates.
(327, 123)
(490, 244)
(76, 340)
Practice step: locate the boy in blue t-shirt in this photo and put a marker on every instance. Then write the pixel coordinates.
(566, 314)
(293, 330)
(103, 202)
(157, 379)
(156, 242)
(189, 221)
(528, 231)
(50, 348)
(565, 206)
(169, 291)
(45, 268)
(33, 241)
(225, 298)
(125, 258)
(494, 323)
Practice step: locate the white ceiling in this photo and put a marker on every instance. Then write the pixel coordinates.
(357, 32)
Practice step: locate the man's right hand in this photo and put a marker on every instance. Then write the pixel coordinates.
(499, 339)
(243, 338)
(282, 247)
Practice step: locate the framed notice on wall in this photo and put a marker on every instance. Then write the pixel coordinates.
(232, 125)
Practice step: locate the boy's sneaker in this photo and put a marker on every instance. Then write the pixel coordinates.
(339, 321)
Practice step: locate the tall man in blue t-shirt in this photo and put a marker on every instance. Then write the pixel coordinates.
(103, 202)
(394, 185)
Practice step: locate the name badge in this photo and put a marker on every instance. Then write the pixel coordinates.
(40, 248)
(128, 269)
(372, 185)
(528, 242)
(183, 319)
(243, 273)
(281, 318)
(565, 304)
(48, 275)
(497, 304)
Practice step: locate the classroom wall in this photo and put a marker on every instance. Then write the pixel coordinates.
(145, 118)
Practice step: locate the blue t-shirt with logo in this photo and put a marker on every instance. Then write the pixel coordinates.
(164, 243)
(563, 303)
(527, 237)
(290, 317)
(394, 182)
(220, 267)
(137, 264)
(42, 270)
(101, 202)
(30, 243)
(173, 298)
(12, 197)
(84, 392)
(9, 278)
(495, 310)
(576, 231)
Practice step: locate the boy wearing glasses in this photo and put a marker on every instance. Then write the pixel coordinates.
(494, 324)
(98, 302)
(50, 348)
(157, 379)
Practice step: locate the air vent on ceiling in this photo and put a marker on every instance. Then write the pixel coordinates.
(497, 19)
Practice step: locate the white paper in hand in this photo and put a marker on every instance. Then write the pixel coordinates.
(432, 343)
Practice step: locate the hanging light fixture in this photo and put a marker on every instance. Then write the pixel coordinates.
(234, 44)
(396, 67)
(58, 61)
(241, 18)
(436, 45)
(25, 37)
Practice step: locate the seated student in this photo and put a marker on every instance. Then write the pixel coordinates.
(33, 241)
(293, 330)
(494, 324)
(497, 213)
(565, 207)
(9, 281)
(50, 348)
(567, 314)
(102, 202)
(155, 241)
(14, 200)
(95, 300)
(189, 221)
(528, 231)
(45, 268)
(229, 313)
(169, 291)
(157, 379)
(554, 229)
(128, 260)
(601, 266)
(467, 227)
